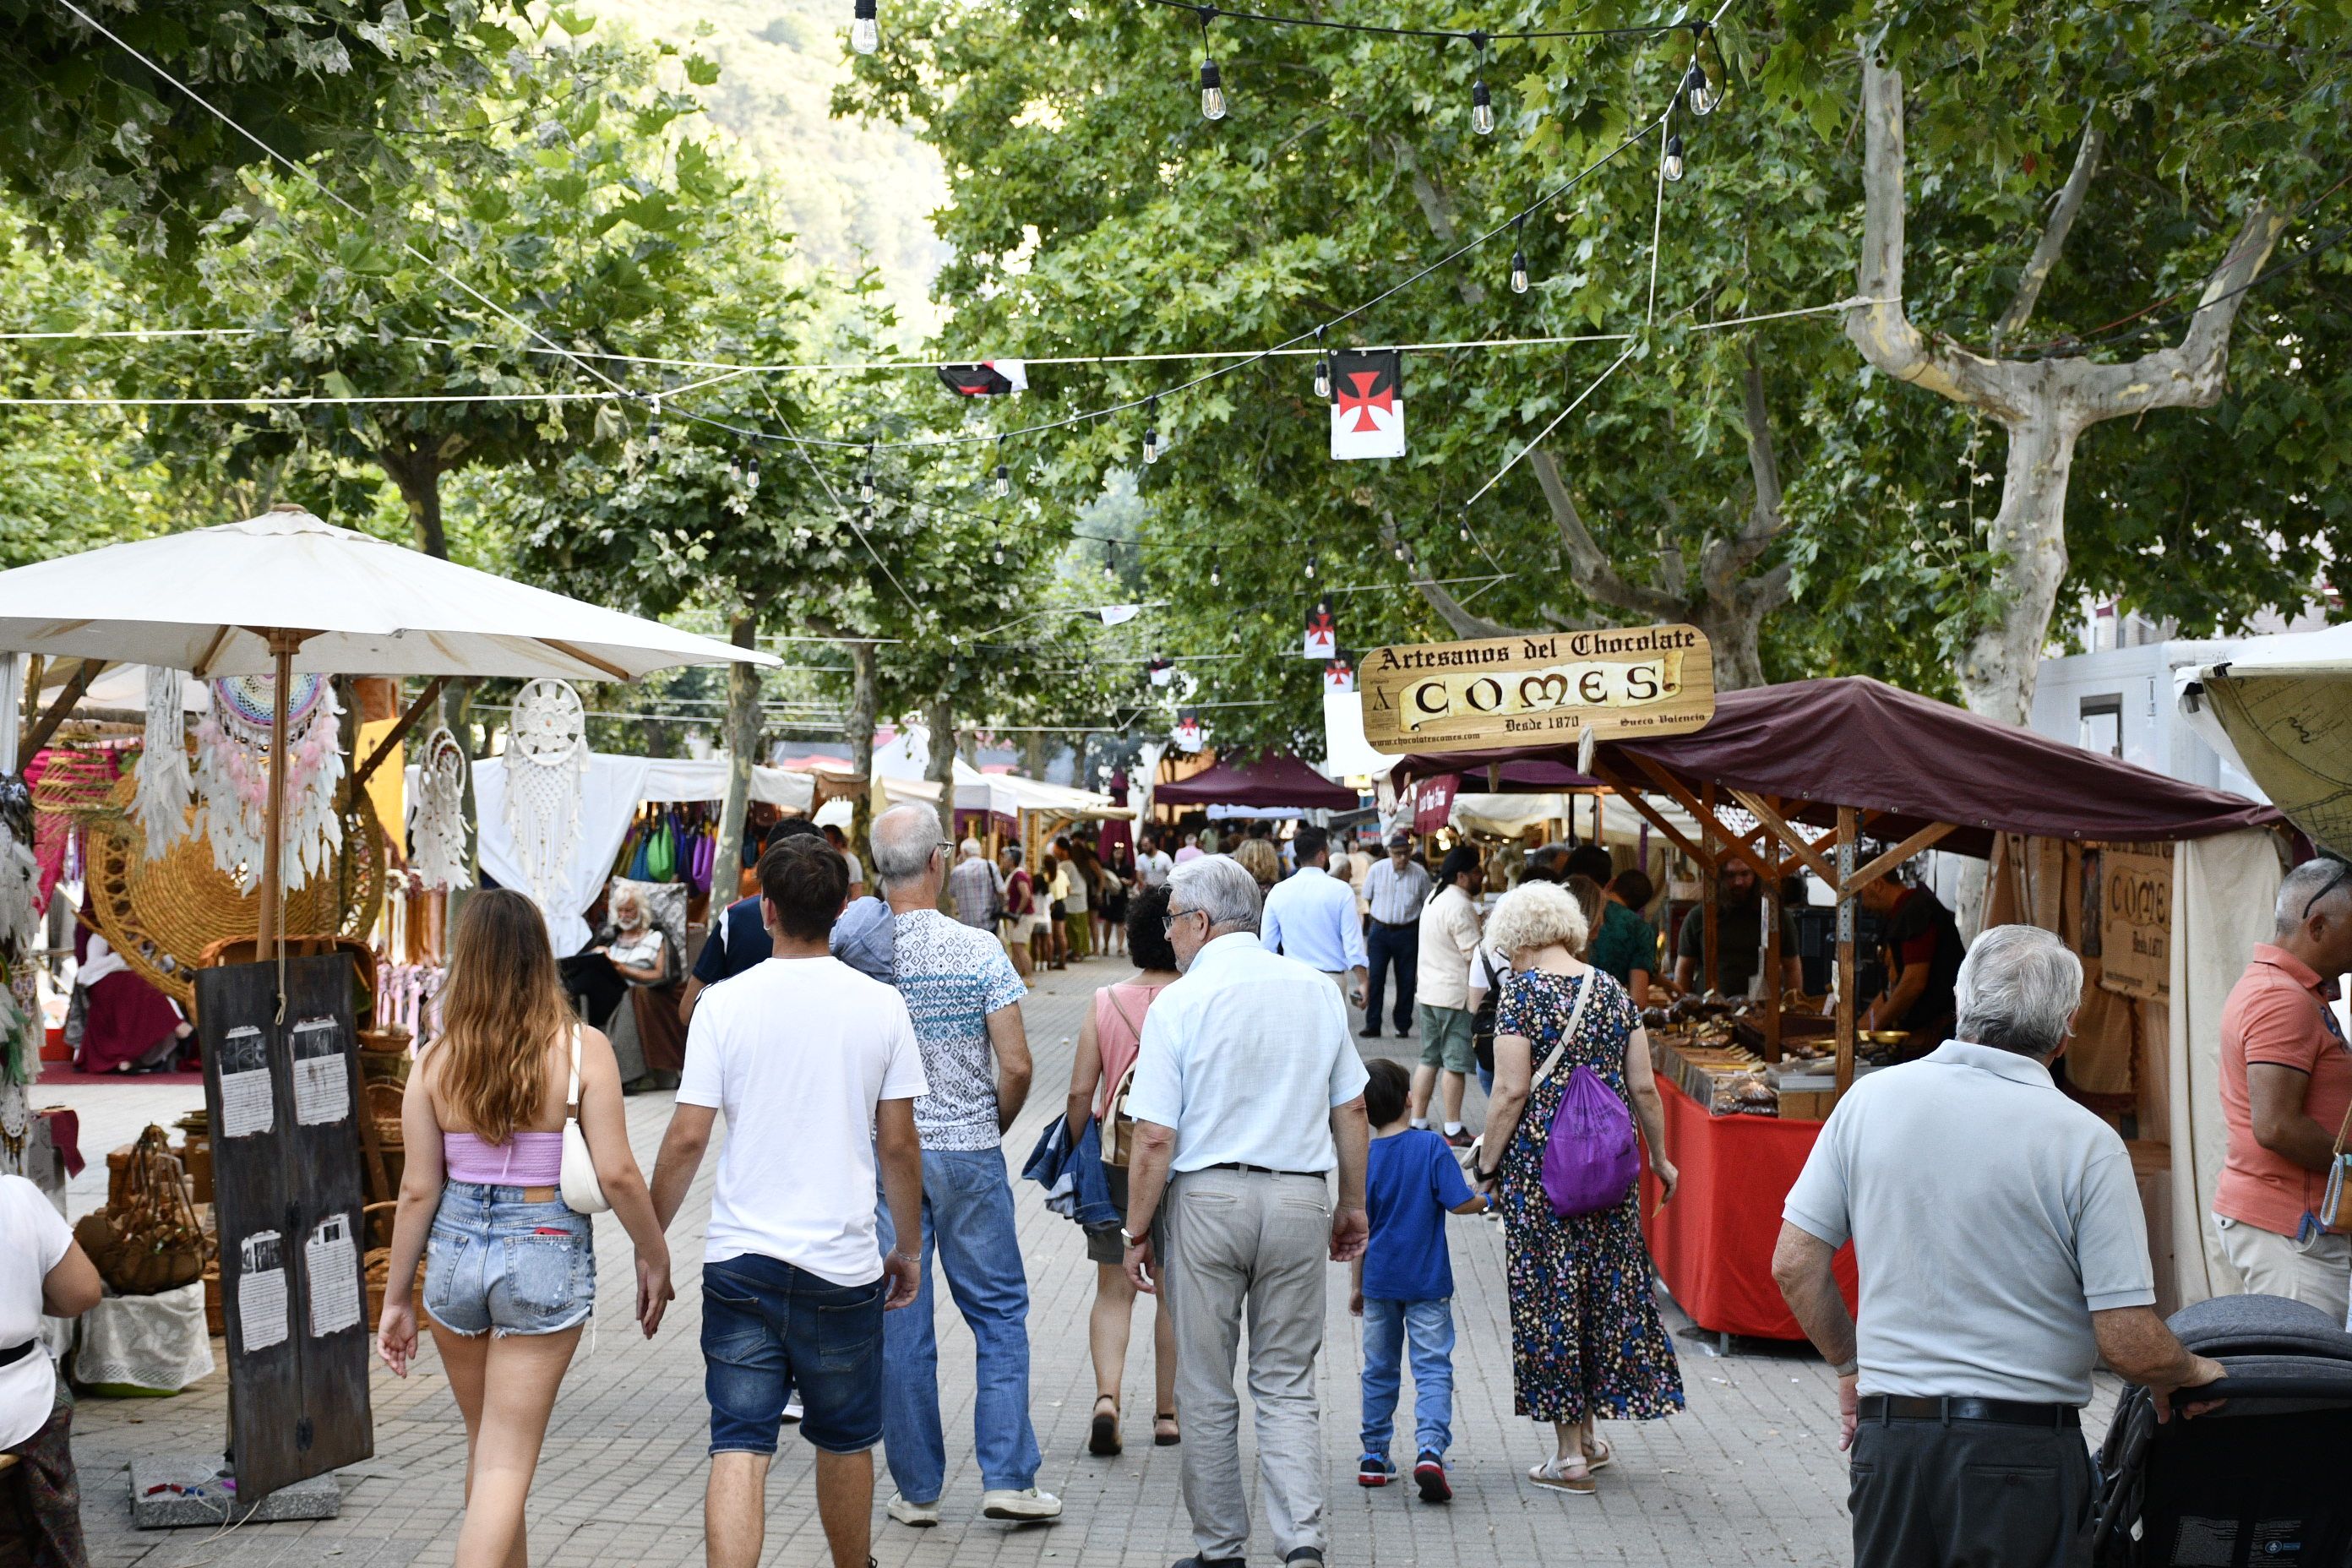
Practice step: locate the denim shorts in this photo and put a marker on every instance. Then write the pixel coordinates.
(769, 1329)
(495, 1264)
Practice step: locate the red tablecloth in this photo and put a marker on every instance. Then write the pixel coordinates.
(1714, 1243)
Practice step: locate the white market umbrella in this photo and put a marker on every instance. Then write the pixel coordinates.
(2281, 708)
(286, 593)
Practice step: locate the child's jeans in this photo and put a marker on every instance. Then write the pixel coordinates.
(1428, 1327)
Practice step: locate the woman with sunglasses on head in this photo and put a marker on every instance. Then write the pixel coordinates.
(510, 1267)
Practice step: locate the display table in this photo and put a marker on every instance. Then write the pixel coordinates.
(1712, 1244)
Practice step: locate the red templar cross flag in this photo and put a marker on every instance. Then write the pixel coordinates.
(1368, 405)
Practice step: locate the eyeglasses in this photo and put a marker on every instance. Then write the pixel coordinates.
(1168, 921)
(2343, 872)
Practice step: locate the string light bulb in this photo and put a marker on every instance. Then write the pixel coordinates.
(752, 472)
(1698, 91)
(1322, 369)
(1674, 165)
(1482, 109)
(1466, 525)
(1151, 429)
(1310, 566)
(998, 555)
(1519, 256)
(865, 477)
(1212, 92)
(1003, 473)
(1215, 576)
(865, 32)
(653, 423)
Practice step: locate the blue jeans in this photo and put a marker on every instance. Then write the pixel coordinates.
(967, 1216)
(1427, 1327)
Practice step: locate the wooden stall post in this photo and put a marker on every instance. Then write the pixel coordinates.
(1845, 938)
(1712, 975)
(1772, 915)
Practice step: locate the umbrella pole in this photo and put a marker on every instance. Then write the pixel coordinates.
(272, 936)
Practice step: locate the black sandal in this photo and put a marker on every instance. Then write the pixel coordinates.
(1103, 1439)
(1165, 1439)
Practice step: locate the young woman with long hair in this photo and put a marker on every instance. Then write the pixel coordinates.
(510, 1269)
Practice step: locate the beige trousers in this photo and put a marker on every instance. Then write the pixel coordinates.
(2319, 1275)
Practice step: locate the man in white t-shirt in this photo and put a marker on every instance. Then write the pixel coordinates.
(818, 1071)
(42, 1269)
(1152, 863)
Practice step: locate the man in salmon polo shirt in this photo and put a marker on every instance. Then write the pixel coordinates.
(2286, 1090)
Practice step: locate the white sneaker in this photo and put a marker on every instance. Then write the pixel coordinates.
(792, 1417)
(1026, 1506)
(920, 1515)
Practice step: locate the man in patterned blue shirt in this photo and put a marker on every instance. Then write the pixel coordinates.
(965, 999)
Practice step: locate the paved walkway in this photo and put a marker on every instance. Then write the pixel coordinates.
(1749, 1474)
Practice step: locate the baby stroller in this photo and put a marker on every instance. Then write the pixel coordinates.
(2265, 1480)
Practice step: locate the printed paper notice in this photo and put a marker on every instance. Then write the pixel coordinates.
(246, 1104)
(322, 1078)
(262, 1320)
(333, 1268)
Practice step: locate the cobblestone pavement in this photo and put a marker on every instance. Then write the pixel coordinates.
(1749, 1474)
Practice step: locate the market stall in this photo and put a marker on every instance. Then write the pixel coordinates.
(1274, 781)
(1879, 775)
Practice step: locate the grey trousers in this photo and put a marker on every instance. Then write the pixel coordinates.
(1975, 1494)
(1232, 1239)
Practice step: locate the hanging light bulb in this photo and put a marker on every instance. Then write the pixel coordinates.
(1482, 109)
(1698, 91)
(752, 472)
(1004, 474)
(1518, 256)
(1310, 566)
(997, 555)
(1399, 551)
(1673, 166)
(1215, 577)
(653, 423)
(1151, 430)
(1322, 369)
(865, 477)
(865, 32)
(1212, 92)
(1466, 525)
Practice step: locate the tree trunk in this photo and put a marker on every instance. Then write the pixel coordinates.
(1733, 633)
(742, 750)
(1997, 672)
(860, 723)
(940, 768)
(418, 477)
(1032, 754)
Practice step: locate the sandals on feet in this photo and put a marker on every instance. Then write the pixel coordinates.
(1169, 1437)
(1561, 1475)
(1103, 1439)
(1600, 1455)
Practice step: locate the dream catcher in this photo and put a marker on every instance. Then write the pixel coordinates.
(438, 832)
(546, 762)
(165, 788)
(235, 748)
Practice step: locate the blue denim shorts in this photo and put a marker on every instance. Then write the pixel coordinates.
(769, 1329)
(495, 1264)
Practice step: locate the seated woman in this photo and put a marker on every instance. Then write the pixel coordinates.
(118, 1022)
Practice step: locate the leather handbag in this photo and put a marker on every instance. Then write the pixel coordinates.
(582, 1193)
(149, 1239)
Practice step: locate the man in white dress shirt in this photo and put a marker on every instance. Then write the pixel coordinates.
(1310, 916)
(1247, 1093)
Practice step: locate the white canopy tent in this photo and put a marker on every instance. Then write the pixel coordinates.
(2281, 708)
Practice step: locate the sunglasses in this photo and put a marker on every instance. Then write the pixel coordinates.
(2343, 873)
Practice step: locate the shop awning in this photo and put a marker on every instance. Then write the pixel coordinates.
(1277, 779)
(1854, 742)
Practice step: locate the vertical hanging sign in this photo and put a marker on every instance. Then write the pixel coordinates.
(1368, 405)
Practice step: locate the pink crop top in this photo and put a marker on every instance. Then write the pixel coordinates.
(525, 1160)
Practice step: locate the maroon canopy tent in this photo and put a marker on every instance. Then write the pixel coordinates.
(1274, 781)
(1910, 761)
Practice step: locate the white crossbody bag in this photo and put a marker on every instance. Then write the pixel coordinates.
(582, 1193)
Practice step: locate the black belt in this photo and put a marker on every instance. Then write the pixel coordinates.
(2008, 1412)
(1262, 1170)
(1396, 925)
(14, 1353)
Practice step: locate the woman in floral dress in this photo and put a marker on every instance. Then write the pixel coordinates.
(1586, 1339)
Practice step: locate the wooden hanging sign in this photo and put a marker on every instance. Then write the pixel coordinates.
(1537, 689)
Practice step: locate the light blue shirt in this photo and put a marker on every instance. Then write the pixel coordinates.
(1311, 916)
(1245, 1057)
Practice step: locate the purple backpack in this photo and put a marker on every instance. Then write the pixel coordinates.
(1588, 1159)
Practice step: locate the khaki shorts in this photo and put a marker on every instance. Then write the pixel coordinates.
(2318, 1274)
(1445, 1038)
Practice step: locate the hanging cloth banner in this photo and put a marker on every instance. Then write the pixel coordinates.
(236, 749)
(546, 762)
(989, 378)
(1162, 671)
(1322, 639)
(1368, 405)
(164, 790)
(1339, 675)
(1187, 731)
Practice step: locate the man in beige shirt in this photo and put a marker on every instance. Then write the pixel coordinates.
(1449, 935)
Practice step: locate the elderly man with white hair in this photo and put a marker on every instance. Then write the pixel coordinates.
(1247, 1093)
(2002, 1253)
(965, 1000)
(975, 888)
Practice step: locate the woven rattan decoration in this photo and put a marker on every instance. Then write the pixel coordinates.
(161, 915)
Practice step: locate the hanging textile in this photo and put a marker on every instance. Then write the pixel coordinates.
(20, 1008)
(236, 749)
(547, 762)
(438, 832)
(165, 788)
(65, 779)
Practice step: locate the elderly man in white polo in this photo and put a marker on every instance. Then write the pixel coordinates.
(1247, 1094)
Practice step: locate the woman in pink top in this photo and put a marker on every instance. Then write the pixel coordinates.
(510, 1269)
(1107, 1038)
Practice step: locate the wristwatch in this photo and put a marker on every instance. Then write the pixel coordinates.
(1848, 1368)
(1128, 1238)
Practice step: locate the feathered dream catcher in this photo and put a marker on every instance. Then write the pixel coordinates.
(236, 749)
(437, 834)
(165, 789)
(20, 1011)
(546, 762)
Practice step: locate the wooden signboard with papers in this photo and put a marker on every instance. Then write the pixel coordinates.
(2136, 923)
(1537, 689)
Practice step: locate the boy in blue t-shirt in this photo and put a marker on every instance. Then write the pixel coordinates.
(1405, 1283)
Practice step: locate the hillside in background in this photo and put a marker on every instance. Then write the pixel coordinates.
(853, 192)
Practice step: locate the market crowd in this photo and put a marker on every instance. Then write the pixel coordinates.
(1223, 1139)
